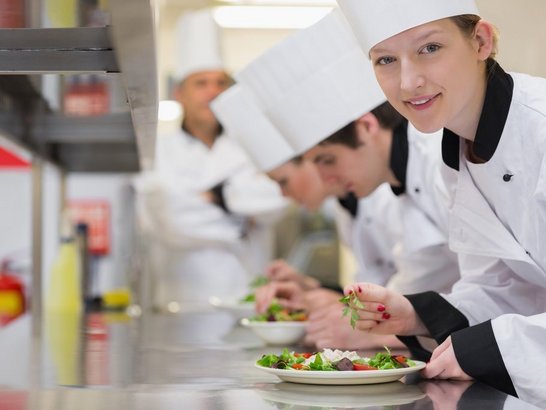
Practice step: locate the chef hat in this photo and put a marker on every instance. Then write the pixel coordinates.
(374, 21)
(197, 44)
(314, 82)
(238, 112)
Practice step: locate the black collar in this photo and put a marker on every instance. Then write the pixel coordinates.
(350, 203)
(399, 156)
(498, 97)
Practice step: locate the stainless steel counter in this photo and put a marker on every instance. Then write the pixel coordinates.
(193, 360)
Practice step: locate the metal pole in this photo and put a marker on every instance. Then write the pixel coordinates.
(37, 246)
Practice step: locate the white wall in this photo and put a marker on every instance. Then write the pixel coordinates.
(522, 33)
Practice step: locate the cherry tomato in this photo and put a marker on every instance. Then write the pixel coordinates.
(359, 366)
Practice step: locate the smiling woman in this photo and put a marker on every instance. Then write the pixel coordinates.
(434, 59)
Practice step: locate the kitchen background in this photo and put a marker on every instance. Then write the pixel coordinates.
(248, 28)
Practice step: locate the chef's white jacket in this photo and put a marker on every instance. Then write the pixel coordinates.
(401, 241)
(206, 250)
(498, 226)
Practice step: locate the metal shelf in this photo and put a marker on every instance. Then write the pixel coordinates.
(123, 142)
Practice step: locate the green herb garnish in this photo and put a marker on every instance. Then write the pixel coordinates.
(352, 304)
(259, 281)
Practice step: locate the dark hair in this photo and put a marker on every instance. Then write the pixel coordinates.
(467, 24)
(386, 115)
(297, 159)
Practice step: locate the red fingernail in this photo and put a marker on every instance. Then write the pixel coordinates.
(386, 315)
(381, 308)
(351, 291)
(359, 289)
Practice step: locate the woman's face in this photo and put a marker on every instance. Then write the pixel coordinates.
(433, 75)
(302, 183)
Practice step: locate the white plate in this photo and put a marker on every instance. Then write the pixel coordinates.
(277, 333)
(236, 308)
(376, 395)
(342, 378)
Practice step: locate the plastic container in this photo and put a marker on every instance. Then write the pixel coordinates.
(65, 289)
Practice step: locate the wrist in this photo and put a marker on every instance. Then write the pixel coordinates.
(309, 283)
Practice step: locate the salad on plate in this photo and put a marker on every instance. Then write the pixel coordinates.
(335, 360)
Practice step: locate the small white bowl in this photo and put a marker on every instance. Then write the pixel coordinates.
(237, 309)
(277, 333)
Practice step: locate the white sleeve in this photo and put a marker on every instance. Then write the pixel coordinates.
(182, 218)
(489, 288)
(521, 342)
(253, 194)
(431, 268)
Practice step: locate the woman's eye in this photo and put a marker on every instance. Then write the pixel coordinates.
(384, 60)
(430, 48)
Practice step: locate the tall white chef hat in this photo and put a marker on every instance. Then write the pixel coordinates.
(314, 82)
(197, 44)
(238, 112)
(374, 21)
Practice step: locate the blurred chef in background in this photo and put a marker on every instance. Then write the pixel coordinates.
(205, 205)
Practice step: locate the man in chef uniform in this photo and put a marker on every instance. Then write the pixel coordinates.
(206, 204)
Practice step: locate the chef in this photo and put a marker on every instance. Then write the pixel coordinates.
(206, 204)
(435, 60)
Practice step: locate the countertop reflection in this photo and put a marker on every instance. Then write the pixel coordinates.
(190, 360)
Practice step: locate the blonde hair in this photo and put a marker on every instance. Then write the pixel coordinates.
(467, 24)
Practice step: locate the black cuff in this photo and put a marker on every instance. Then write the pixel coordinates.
(218, 196)
(417, 351)
(439, 316)
(479, 356)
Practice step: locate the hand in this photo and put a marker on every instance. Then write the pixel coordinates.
(444, 365)
(280, 270)
(385, 311)
(289, 295)
(321, 297)
(327, 328)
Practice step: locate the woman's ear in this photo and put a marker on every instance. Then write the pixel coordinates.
(367, 126)
(484, 34)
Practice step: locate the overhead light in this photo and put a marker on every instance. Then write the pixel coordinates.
(271, 17)
(169, 110)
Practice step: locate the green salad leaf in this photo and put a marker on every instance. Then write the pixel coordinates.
(278, 313)
(352, 304)
(259, 281)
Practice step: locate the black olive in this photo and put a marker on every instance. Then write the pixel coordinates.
(344, 364)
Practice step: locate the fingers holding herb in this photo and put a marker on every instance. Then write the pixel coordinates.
(385, 311)
(357, 311)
